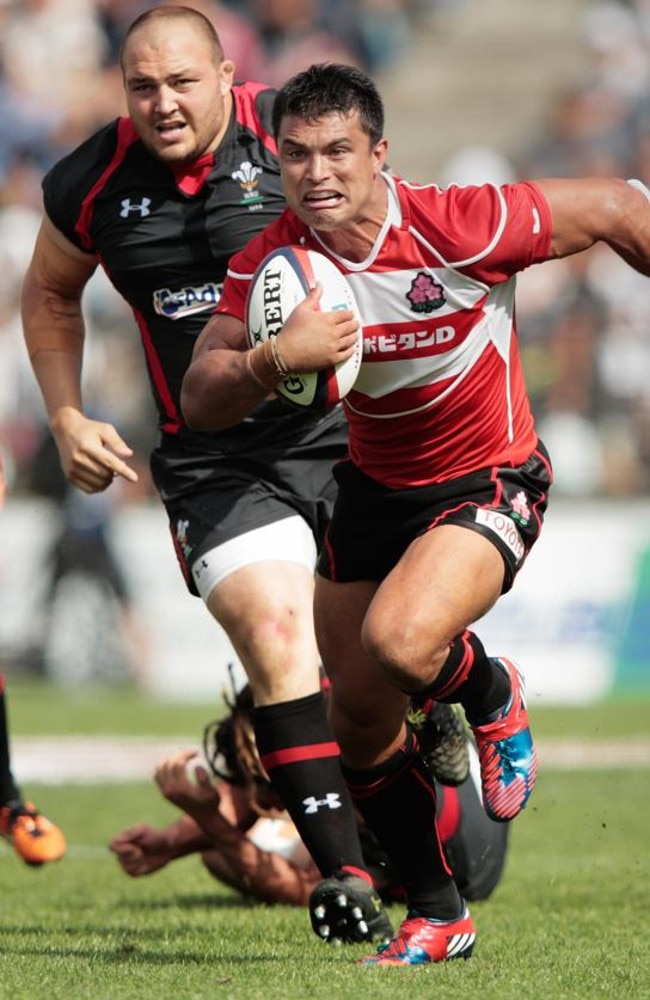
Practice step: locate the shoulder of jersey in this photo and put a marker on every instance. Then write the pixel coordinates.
(282, 280)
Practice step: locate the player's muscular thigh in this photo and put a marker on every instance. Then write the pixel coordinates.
(447, 579)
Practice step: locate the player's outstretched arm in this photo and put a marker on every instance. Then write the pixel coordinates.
(600, 209)
(142, 849)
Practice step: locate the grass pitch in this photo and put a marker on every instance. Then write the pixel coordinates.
(568, 921)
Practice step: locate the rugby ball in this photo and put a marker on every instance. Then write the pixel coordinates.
(280, 283)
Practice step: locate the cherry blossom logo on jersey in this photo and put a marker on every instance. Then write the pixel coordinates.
(520, 508)
(247, 177)
(426, 294)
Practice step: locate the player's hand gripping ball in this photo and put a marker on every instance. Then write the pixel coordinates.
(281, 282)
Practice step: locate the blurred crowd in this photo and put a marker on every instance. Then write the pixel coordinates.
(584, 322)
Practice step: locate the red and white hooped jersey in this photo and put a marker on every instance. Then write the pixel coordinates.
(441, 391)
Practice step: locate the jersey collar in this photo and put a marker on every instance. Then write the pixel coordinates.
(190, 177)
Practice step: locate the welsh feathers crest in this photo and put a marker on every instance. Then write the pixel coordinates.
(247, 175)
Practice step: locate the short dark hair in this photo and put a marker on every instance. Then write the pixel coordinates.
(327, 88)
(173, 14)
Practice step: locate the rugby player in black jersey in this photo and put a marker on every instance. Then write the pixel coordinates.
(162, 199)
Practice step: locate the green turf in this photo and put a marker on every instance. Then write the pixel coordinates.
(41, 708)
(38, 707)
(568, 920)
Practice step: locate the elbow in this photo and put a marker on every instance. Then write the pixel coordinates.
(190, 411)
(196, 413)
(196, 417)
(216, 397)
(189, 417)
(200, 411)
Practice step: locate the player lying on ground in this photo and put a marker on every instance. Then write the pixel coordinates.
(247, 840)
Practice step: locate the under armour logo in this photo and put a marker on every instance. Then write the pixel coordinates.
(331, 801)
(142, 208)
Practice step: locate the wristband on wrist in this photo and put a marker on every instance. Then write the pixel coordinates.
(261, 366)
(278, 360)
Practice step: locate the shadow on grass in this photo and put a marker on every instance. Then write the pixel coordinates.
(130, 951)
(119, 944)
(201, 902)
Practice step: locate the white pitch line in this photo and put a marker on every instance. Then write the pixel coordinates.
(91, 759)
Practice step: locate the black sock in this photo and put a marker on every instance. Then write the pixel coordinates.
(302, 759)
(9, 791)
(398, 802)
(470, 677)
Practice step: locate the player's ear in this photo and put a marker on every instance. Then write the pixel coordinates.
(379, 155)
(227, 72)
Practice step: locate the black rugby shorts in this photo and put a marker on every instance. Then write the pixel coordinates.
(373, 525)
(211, 499)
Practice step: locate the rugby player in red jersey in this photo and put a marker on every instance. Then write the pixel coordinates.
(445, 488)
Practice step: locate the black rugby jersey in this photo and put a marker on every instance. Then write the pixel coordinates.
(164, 238)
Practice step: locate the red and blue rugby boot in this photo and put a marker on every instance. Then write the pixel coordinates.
(506, 751)
(421, 940)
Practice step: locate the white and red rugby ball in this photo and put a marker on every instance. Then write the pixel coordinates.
(280, 283)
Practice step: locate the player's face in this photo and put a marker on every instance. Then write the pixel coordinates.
(329, 170)
(177, 94)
